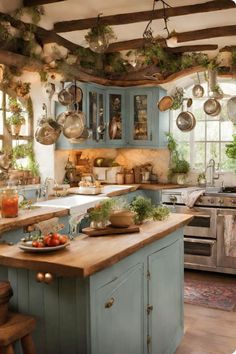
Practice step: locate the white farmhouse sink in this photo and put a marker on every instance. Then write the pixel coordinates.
(78, 204)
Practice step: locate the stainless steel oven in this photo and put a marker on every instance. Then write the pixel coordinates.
(200, 247)
(210, 237)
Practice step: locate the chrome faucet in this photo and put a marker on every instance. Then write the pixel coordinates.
(213, 175)
(42, 193)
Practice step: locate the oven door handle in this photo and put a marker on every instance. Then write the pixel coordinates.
(209, 242)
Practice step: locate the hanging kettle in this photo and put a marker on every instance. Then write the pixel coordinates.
(48, 130)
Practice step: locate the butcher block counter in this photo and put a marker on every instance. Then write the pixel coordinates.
(105, 294)
(86, 255)
(32, 216)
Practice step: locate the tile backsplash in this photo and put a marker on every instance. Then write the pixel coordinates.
(128, 158)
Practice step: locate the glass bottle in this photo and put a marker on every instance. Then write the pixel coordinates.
(9, 203)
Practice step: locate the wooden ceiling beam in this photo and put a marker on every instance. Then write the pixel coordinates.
(206, 33)
(45, 36)
(39, 2)
(140, 43)
(121, 19)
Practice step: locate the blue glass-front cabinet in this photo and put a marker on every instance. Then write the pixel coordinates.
(121, 117)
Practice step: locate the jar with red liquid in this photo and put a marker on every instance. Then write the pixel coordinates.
(9, 203)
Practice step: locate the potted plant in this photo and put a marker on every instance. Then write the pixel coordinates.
(144, 209)
(100, 214)
(201, 179)
(179, 167)
(14, 122)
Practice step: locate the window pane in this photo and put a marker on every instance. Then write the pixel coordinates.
(226, 130)
(213, 130)
(227, 164)
(199, 156)
(212, 152)
(199, 131)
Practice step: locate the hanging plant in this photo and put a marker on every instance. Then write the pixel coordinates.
(34, 12)
(99, 37)
(22, 89)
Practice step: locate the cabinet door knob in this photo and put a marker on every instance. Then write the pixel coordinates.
(109, 303)
(40, 277)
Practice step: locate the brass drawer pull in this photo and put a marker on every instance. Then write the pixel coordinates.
(44, 277)
(109, 303)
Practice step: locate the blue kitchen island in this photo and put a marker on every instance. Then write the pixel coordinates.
(106, 295)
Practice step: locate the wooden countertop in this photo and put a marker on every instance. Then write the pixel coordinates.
(158, 186)
(28, 217)
(87, 255)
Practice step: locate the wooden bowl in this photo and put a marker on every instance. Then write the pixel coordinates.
(165, 103)
(122, 218)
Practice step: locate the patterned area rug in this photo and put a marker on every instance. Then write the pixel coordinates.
(204, 293)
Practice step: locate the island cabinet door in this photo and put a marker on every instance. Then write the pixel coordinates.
(165, 315)
(117, 323)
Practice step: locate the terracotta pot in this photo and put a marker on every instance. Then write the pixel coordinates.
(15, 129)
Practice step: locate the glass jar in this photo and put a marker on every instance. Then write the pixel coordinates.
(9, 203)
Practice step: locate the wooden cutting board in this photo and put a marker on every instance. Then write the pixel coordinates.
(110, 230)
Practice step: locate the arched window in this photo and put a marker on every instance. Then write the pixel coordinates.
(210, 135)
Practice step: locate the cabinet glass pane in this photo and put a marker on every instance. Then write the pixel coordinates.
(115, 117)
(101, 123)
(93, 113)
(140, 125)
(96, 115)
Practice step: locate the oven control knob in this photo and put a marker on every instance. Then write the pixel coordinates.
(212, 200)
(233, 201)
(173, 199)
(220, 201)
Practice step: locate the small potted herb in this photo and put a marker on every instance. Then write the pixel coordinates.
(100, 214)
(201, 179)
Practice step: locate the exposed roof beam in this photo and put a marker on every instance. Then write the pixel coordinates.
(39, 2)
(45, 36)
(206, 33)
(139, 43)
(121, 19)
(192, 48)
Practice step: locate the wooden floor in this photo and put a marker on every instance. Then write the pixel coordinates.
(208, 331)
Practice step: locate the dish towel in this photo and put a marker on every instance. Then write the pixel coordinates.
(191, 195)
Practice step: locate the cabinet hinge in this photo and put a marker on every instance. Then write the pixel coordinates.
(148, 275)
(149, 309)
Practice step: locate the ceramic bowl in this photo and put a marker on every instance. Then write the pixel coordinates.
(122, 218)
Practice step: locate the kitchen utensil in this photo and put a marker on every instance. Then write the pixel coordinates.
(101, 128)
(75, 92)
(48, 130)
(198, 90)
(64, 97)
(189, 102)
(84, 136)
(113, 126)
(231, 109)
(186, 121)
(74, 125)
(165, 103)
(145, 176)
(212, 107)
(60, 119)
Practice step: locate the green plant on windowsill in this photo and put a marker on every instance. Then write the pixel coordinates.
(178, 165)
